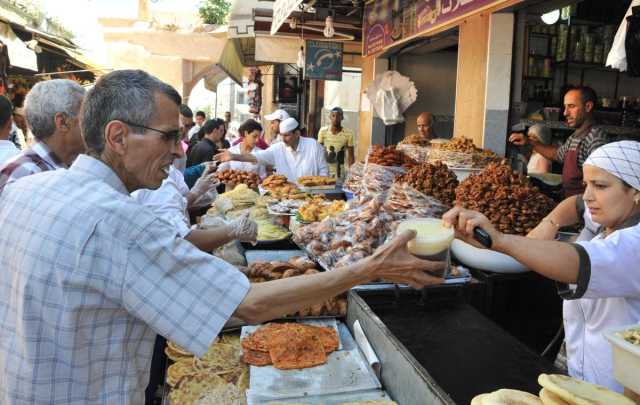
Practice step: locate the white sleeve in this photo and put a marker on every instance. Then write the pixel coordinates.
(267, 157)
(166, 203)
(610, 266)
(323, 168)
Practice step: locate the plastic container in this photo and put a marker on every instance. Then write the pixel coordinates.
(626, 358)
(432, 236)
(348, 195)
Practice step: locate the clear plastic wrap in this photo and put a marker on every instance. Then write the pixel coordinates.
(418, 153)
(404, 202)
(354, 178)
(378, 179)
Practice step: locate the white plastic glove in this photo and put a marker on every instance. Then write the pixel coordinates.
(204, 191)
(244, 229)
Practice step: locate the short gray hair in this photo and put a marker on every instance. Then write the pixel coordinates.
(127, 95)
(48, 98)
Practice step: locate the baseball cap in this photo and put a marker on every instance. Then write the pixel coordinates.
(277, 115)
(288, 125)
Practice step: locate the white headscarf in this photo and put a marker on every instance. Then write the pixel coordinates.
(622, 159)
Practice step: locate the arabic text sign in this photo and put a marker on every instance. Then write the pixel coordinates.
(388, 21)
(281, 11)
(323, 60)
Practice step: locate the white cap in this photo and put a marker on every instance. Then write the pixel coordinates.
(277, 115)
(288, 125)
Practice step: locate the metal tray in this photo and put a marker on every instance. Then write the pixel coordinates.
(346, 371)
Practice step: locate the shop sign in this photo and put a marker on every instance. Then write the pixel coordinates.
(282, 9)
(323, 60)
(388, 21)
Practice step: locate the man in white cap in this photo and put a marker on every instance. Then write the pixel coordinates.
(275, 118)
(294, 157)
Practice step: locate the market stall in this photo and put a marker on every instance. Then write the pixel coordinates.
(407, 345)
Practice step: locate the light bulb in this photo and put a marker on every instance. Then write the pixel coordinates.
(300, 61)
(328, 27)
(551, 17)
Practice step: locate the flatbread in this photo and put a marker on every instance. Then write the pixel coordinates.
(549, 398)
(478, 399)
(371, 402)
(511, 397)
(256, 358)
(258, 340)
(580, 392)
(328, 338)
(178, 370)
(176, 353)
(296, 351)
(191, 388)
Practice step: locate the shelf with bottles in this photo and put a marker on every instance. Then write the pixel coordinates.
(584, 66)
(538, 78)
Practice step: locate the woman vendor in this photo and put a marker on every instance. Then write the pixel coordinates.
(249, 131)
(599, 275)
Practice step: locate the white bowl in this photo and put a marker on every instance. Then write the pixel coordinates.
(485, 259)
(463, 172)
(432, 236)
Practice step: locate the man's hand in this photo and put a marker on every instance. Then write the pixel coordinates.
(223, 156)
(244, 229)
(465, 221)
(393, 262)
(518, 139)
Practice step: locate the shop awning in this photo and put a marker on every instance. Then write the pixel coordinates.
(230, 63)
(19, 55)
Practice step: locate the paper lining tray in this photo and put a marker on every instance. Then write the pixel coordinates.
(346, 371)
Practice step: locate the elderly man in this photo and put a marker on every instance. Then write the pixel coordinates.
(338, 142)
(52, 109)
(89, 275)
(579, 103)
(294, 157)
(275, 118)
(424, 122)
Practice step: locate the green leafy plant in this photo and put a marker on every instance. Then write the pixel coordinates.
(214, 11)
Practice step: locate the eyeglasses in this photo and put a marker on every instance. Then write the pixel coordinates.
(167, 135)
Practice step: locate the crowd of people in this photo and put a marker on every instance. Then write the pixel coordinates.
(100, 256)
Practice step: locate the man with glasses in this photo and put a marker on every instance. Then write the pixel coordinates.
(89, 276)
(52, 109)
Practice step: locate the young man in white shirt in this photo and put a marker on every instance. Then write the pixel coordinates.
(294, 157)
(7, 148)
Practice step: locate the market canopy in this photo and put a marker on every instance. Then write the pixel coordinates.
(19, 54)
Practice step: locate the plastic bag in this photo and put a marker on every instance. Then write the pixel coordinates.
(354, 178)
(378, 179)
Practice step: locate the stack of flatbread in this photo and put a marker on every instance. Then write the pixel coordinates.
(218, 377)
(289, 345)
(556, 390)
(365, 402)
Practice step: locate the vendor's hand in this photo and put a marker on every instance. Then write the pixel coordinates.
(465, 221)
(393, 262)
(545, 230)
(518, 139)
(223, 156)
(207, 181)
(244, 229)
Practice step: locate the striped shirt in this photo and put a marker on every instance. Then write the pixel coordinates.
(89, 276)
(38, 158)
(585, 143)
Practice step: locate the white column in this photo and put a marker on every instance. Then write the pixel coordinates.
(498, 87)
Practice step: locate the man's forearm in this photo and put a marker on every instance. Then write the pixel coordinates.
(246, 157)
(208, 240)
(274, 299)
(558, 261)
(548, 151)
(350, 157)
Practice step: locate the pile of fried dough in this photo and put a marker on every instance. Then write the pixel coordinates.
(289, 345)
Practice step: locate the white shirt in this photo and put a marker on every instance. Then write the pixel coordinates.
(7, 151)
(259, 169)
(89, 277)
(169, 201)
(611, 300)
(308, 160)
(194, 130)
